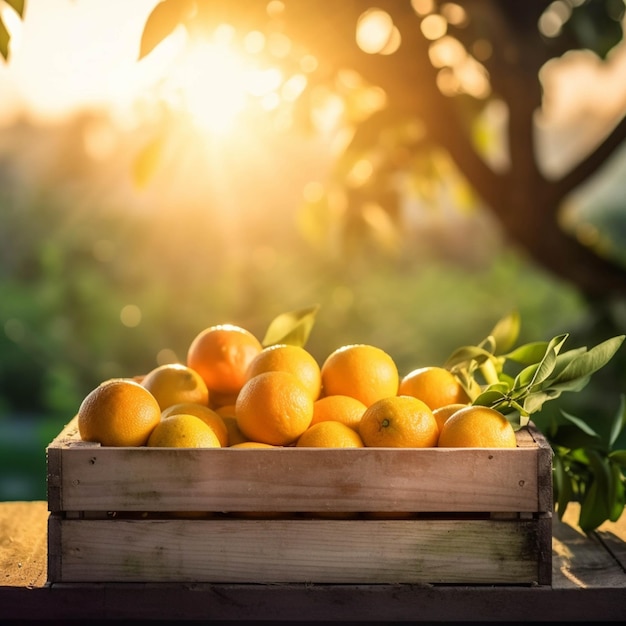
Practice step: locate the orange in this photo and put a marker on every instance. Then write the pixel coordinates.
(119, 412)
(227, 410)
(183, 431)
(344, 409)
(436, 386)
(361, 371)
(174, 383)
(210, 417)
(221, 355)
(235, 435)
(329, 434)
(218, 400)
(252, 444)
(227, 413)
(288, 358)
(399, 422)
(477, 427)
(444, 412)
(274, 407)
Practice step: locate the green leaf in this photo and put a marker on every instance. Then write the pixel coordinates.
(617, 490)
(562, 483)
(529, 353)
(506, 332)
(5, 37)
(599, 501)
(591, 361)
(17, 6)
(162, 22)
(619, 457)
(534, 401)
(580, 423)
(490, 396)
(571, 385)
(564, 359)
(466, 354)
(292, 328)
(618, 422)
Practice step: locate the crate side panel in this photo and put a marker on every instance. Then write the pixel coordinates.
(299, 551)
(298, 479)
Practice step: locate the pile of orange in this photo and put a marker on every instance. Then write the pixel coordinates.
(234, 392)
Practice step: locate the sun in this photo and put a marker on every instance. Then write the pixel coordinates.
(215, 84)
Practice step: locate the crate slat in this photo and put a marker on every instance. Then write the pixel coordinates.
(277, 551)
(94, 478)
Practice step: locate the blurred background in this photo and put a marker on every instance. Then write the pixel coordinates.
(418, 169)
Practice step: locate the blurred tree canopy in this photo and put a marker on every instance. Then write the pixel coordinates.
(438, 109)
(441, 82)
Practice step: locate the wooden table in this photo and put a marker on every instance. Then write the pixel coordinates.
(589, 583)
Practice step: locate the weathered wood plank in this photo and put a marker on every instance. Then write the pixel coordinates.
(582, 561)
(320, 551)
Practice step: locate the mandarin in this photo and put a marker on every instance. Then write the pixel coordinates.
(361, 371)
(337, 408)
(174, 383)
(399, 422)
(210, 417)
(329, 434)
(183, 431)
(274, 408)
(477, 427)
(289, 358)
(436, 386)
(119, 412)
(444, 412)
(221, 355)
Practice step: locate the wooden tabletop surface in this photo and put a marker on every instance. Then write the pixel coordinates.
(589, 584)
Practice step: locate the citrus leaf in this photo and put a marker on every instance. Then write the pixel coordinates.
(465, 355)
(563, 489)
(292, 328)
(17, 6)
(591, 360)
(616, 502)
(5, 37)
(590, 516)
(162, 22)
(598, 501)
(580, 424)
(564, 359)
(489, 397)
(619, 457)
(506, 332)
(534, 402)
(570, 385)
(619, 422)
(529, 353)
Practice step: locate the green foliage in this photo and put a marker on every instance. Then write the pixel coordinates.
(292, 328)
(518, 382)
(589, 463)
(590, 467)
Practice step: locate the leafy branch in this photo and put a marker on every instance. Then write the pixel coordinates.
(588, 465)
(519, 381)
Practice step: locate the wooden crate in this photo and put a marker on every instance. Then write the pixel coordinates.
(296, 515)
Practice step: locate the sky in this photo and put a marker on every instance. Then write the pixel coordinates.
(70, 53)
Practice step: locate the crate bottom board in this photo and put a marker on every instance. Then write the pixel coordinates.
(514, 552)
